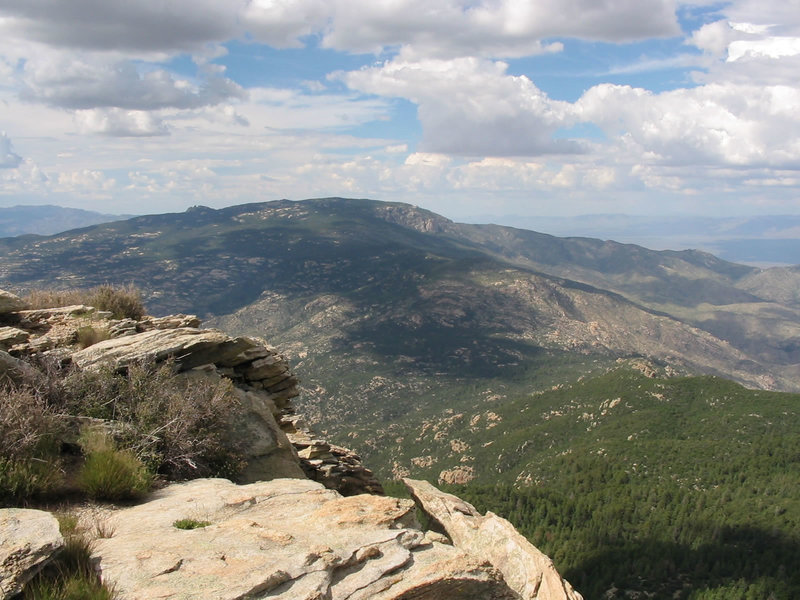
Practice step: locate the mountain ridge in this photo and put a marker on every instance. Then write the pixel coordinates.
(393, 262)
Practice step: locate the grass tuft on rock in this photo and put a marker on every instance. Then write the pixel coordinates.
(189, 524)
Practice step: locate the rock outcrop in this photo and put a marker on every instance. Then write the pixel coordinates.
(305, 530)
(529, 572)
(261, 377)
(13, 369)
(10, 302)
(289, 539)
(28, 539)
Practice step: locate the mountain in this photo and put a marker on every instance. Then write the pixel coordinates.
(48, 219)
(396, 285)
(765, 239)
(547, 377)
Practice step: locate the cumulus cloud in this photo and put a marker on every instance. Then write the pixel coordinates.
(120, 123)
(75, 82)
(471, 107)
(114, 25)
(711, 124)
(8, 158)
(495, 28)
(446, 28)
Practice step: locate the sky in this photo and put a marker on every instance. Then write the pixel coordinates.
(464, 107)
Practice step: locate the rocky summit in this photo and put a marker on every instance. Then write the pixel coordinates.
(306, 521)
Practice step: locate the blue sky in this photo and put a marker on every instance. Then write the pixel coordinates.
(465, 107)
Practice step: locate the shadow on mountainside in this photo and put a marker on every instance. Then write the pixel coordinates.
(742, 562)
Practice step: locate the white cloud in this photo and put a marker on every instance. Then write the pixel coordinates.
(471, 107)
(491, 28)
(775, 47)
(281, 23)
(120, 122)
(445, 29)
(711, 124)
(283, 108)
(84, 82)
(86, 181)
(8, 158)
(114, 25)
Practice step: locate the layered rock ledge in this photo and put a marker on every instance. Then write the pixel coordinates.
(285, 539)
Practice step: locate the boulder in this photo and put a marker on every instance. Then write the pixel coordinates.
(28, 539)
(528, 571)
(269, 453)
(283, 539)
(189, 346)
(11, 335)
(10, 302)
(14, 369)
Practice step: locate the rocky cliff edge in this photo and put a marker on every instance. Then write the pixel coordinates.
(306, 524)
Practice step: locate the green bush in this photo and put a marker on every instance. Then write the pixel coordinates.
(109, 473)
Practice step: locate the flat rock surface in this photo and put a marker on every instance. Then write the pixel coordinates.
(28, 539)
(191, 347)
(287, 538)
(526, 569)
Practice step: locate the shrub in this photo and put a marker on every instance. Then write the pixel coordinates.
(109, 473)
(89, 336)
(176, 425)
(29, 432)
(123, 301)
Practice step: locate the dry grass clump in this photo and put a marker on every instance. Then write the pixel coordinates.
(123, 301)
(88, 336)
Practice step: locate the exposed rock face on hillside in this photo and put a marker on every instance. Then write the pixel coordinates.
(526, 570)
(289, 539)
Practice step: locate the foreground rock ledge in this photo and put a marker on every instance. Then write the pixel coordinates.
(527, 570)
(28, 540)
(285, 538)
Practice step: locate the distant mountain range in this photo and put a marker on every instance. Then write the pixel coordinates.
(761, 240)
(48, 219)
